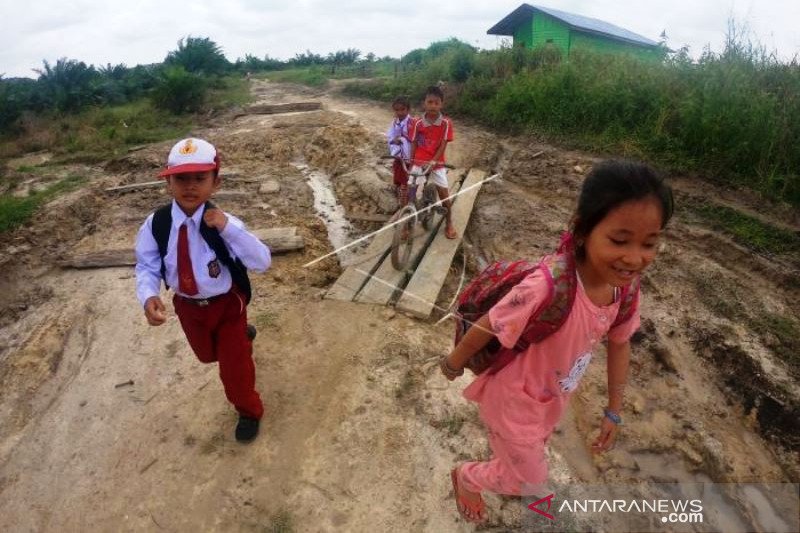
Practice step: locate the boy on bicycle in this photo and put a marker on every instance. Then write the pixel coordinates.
(429, 136)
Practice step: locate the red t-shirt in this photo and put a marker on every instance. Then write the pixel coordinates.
(428, 136)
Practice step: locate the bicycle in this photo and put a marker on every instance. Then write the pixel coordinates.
(421, 207)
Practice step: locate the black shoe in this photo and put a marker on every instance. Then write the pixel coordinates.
(251, 332)
(247, 428)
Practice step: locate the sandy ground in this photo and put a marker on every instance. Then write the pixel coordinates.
(361, 430)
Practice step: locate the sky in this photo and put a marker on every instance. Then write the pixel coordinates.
(144, 31)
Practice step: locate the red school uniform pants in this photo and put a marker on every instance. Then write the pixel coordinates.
(217, 332)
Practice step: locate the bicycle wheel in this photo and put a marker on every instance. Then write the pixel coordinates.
(401, 248)
(428, 199)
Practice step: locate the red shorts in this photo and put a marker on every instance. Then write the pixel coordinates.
(399, 173)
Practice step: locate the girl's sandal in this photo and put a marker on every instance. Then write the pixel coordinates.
(471, 511)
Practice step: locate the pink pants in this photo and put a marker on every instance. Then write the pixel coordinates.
(516, 468)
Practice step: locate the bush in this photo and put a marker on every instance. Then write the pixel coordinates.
(179, 91)
(68, 85)
(199, 55)
(735, 114)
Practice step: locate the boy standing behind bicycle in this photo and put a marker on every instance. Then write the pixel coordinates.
(400, 146)
(429, 136)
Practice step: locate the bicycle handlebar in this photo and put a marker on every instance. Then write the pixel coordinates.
(419, 162)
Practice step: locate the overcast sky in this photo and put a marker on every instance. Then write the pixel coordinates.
(143, 31)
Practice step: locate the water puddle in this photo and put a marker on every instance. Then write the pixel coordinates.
(328, 209)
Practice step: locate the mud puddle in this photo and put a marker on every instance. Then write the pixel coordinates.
(328, 209)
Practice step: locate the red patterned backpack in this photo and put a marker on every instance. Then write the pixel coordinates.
(496, 280)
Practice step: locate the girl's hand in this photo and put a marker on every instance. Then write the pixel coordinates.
(449, 372)
(608, 434)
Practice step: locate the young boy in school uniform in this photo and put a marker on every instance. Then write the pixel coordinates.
(205, 253)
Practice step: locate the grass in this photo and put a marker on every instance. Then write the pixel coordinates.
(453, 423)
(778, 333)
(749, 231)
(232, 91)
(280, 522)
(318, 75)
(718, 295)
(97, 133)
(406, 386)
(15, 212)
(101, 133)
(266, 320)
(782, 335)
(313, 77)
(732, 114)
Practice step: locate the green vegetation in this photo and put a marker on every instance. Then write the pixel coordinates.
(779, 333)
(179, 91)
(17, 211)
(733, 114)
(782, 335)
(749, 231)
(280, 522)
(306, 76)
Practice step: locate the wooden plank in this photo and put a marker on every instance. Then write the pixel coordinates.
(138, 186)
(431, 273)
(274, 109)
(387, 280)
(353, 277)
(279, 240)
(270, 233)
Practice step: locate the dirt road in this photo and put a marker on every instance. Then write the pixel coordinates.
(360, 430)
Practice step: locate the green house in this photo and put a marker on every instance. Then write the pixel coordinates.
(533, 26)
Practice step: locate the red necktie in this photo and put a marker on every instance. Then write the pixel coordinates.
(186, 282)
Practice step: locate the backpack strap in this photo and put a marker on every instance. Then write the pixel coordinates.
(563, 282)
(235, 266)
(161, 227)
(629, 302)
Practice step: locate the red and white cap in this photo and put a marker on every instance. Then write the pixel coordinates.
(191, 155)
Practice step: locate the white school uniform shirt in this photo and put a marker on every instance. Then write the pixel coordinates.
(399, 128)
(242, 244)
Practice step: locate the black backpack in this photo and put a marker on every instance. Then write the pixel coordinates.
(162, 225)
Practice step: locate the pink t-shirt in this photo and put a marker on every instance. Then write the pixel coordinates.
(525, 400)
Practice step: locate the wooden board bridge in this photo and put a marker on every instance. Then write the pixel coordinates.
(371, 278)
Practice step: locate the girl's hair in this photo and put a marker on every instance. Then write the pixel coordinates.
(435, 90)
(612, 183)
(403, 101)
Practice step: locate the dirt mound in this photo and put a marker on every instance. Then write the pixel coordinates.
(255, 149)
(337, 148)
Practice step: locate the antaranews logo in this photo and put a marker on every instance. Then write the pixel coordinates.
(534, 506)
(672, 511)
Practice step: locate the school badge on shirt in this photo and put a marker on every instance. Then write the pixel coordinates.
(213, 269)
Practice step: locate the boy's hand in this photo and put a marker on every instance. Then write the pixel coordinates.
(155, 311)
(215, 218)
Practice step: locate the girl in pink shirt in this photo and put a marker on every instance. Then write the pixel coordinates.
(614, 234)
